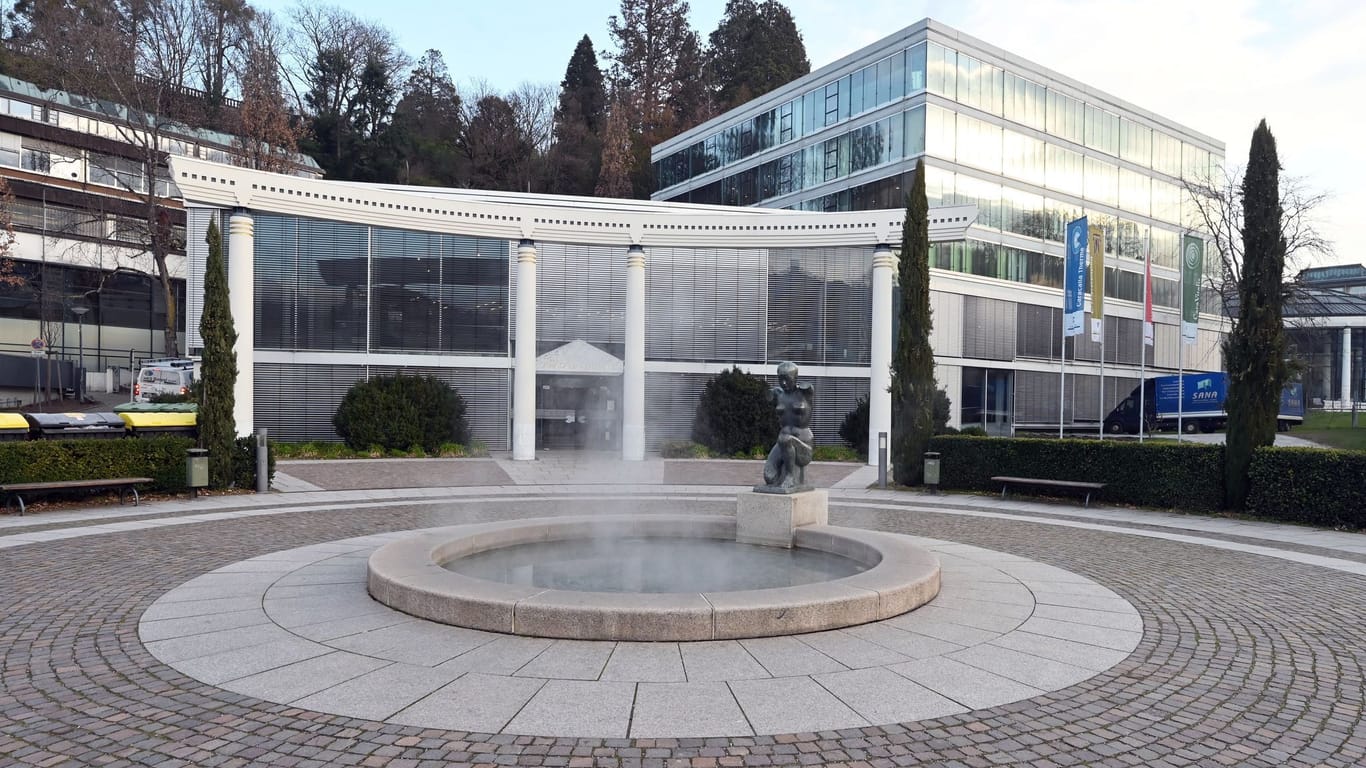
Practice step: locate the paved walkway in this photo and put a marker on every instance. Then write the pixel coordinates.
(1251, 650)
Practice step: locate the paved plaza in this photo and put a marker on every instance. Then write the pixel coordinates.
(236, 630)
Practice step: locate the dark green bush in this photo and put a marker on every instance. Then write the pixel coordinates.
(398, 412)
(40, 461)
(1317, 486)
(734, 415)
(683, 449)
(1156, 474)
(244, 463)
(854, 428)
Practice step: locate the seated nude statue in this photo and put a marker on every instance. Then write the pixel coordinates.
(786, 465)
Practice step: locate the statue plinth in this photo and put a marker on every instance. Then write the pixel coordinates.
(771, 517)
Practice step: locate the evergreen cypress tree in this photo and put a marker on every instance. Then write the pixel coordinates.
(218, 367)
(913, 360)
(1254, 350)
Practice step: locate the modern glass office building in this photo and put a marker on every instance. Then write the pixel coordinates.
(1032, 149)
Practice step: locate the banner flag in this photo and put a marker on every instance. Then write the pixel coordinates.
(1095, 252)
(1192, 270)
(1147, 299)
(1074, 278)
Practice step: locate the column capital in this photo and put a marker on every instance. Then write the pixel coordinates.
(635, 256)
(241, 223)
(883, 257)
(526, 252)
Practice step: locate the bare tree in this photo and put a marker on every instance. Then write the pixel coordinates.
(1217, 205)
(267, 135)
(534, 104)
(221, 31)
(125, 58)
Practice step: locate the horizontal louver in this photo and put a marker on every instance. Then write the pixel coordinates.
(296, 403)
(704, 304)
(818, 305)
(988, 328)
(580, 294)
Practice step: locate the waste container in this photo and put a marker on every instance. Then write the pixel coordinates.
(66, 426)
(152, 424)
(13, 426)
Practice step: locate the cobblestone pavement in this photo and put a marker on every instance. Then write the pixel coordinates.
(1245, 660)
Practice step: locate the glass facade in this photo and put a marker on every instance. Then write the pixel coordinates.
(1030, 156)
(336, 286)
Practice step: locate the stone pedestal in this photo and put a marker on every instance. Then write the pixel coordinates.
(771, 519)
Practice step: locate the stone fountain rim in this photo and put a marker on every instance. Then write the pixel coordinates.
(407, 575)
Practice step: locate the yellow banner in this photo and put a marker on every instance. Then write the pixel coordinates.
(1095, 251)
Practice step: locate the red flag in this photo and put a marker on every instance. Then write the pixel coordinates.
(1147, 300)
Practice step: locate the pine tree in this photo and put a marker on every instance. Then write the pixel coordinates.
(218, 367)
(579, 121)
(913, 388)
(755, 48)
(1254, 350)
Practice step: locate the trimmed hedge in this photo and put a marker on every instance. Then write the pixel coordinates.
(40, 461)
(1317, 486)
(1156, 474)
(160, 458)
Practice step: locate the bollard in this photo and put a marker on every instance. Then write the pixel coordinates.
(262, 462)
(882, 459)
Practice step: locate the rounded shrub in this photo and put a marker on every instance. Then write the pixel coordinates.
(734, 415)
(395, 413)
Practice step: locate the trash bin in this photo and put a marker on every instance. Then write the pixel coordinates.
(67, 426)
(196, 469)
(13, 426)
(153, 424)
(932, 470)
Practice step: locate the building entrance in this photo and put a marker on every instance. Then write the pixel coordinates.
(578, 412)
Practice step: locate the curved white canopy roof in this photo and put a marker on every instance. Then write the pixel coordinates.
(553, 218)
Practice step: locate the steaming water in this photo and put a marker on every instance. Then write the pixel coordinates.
(653, 565)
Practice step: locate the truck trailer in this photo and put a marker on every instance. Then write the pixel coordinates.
(1196, 401)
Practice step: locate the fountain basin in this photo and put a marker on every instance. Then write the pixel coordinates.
(409, 576)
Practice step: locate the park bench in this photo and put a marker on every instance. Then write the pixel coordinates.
(1039, 482)
(16, 491)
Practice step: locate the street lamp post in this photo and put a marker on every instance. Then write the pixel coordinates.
(79, 311)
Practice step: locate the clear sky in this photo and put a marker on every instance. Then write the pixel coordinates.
(1217, 66)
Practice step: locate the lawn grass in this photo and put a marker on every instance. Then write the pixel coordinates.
(1333, 430)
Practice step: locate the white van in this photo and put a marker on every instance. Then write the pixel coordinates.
(163, 377)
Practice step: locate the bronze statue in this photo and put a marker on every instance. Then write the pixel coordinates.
(785, 470)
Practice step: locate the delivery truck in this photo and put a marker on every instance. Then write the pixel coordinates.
(1196, 400)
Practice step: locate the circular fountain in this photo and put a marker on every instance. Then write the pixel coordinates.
(578, 577)
(776, 568)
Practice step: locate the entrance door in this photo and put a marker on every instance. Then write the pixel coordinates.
(578, 412)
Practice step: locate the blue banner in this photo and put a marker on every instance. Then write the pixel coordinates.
(1074, 278)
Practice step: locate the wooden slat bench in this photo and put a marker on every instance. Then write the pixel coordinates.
(16, 491)
(1039, 482)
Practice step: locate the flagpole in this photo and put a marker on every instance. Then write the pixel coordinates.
(1143, 347)
(1100, 401)
(1062, 367)
(1181, 348)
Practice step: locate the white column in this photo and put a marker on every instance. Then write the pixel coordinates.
(524, 364)
(633, 378)
(880, 355)
(1347, 366)
(242, 302)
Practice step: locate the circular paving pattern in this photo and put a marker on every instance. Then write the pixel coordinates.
(297, 627)
(1243, 659)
